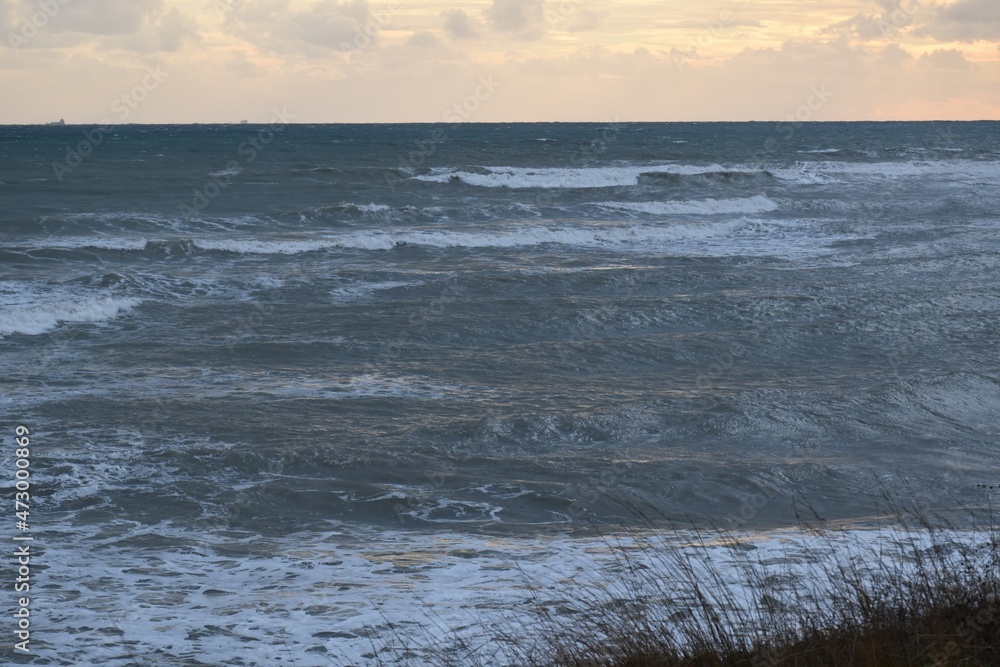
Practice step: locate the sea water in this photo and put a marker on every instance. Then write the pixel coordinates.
(291, 385)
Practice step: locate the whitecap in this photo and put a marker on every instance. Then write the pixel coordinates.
(565, 177)
(580, 236)
(756, 204)
(36, 319)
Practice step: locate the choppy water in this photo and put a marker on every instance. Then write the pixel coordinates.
(429, 332)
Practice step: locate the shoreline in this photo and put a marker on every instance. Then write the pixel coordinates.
(336, 596)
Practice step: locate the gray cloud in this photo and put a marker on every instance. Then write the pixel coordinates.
(895, 17)
(575, 15)
(142, 26)
(425, 40)
(326, 28)
(861, 26)
(946, 59)
(94, 17)
(586, 19)
(174, 28)
(894, 55)
(458, 25)
(523, 17)
(106, 17)
(972, 11)
(423, 54)
(167, 32)
(703, 25)
(964, 21)
(326, 24)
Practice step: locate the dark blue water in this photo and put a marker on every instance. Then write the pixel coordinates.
(247, 334)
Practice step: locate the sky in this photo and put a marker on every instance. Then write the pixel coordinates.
(185, 61)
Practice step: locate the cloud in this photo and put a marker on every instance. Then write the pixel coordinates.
(708, 25)
(423, 55)
(859, 26)
(326, 28)
(525, 18)
(166, 32)
(585, 19)
(425, 40)
(329, 23)
(240, 66)
(946, 59)
(895, 17)
(972, 11)
(104, 26)
(964, 21)
(894, 55)
(94, 17)
(878, 60)
(458, 25)
(574, 16)
(174, 28)
(595, 61)
(106, 17)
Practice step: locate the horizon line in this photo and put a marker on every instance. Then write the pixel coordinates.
(500, 122)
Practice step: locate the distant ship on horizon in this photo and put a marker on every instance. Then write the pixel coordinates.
(57, 122)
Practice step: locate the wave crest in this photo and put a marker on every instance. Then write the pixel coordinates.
(37, 319)
(756, 204)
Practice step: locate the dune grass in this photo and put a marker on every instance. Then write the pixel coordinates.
(925, 594)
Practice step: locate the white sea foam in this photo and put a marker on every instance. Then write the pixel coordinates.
(335, 597)
(835, 172)
(367, 208)
(35, 319)
(809, 172)
(563, 177)
(362, 386)
(756, 204)
(235, 171)
(806, 175)
(364, 290)
(586, 237)
(258, 247)
(117, 218)
(125, 243)
(728, 236)
(116, 244)
(229, 385)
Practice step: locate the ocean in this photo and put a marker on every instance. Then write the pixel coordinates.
(291, 388)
